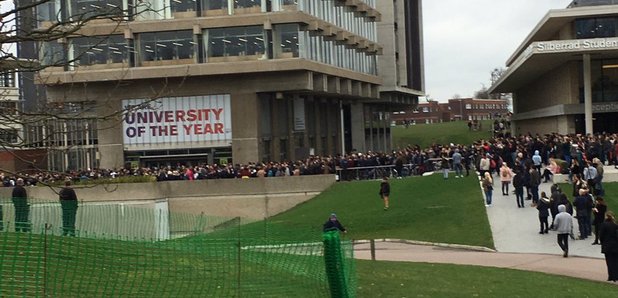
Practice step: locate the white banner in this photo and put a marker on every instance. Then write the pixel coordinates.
(177, 120)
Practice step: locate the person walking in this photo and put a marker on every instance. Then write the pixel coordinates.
(609, 245)
(488, 188)
(543, 208)
(385, 191)
(599, 217)
(22, 209)
(563, 223)
(333, 224)
(506, 175)
(68, 203)
(518, 184)
(457, 166)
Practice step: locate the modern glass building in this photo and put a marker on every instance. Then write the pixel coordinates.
(564, 76)
(163, 82)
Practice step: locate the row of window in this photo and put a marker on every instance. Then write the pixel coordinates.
(7, 79)
(214, 45)
(488, 106)
(596, 27)
(341, 16)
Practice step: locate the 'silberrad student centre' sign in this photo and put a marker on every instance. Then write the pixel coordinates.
(574, 45)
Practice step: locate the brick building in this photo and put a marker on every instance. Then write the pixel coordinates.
(456, 109)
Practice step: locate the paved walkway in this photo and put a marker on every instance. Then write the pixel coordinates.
(518, 244)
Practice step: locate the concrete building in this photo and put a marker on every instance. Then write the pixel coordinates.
(455, 109)
(189, 81)
(564, 76)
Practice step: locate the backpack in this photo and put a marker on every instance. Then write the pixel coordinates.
(492, 164)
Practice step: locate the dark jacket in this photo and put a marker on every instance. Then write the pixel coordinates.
(19, 192)
(582, 204)
(385, 189)
(67, 194)
(599, 216)
(543, 207)
(608, 237)
(331, 225)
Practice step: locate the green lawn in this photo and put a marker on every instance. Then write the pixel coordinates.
(422, 208)
(425, 135)
(397, 279)
(610, 198)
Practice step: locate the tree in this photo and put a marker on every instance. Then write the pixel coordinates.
(38, 29)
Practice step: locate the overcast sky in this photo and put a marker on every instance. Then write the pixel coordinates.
(465, 40)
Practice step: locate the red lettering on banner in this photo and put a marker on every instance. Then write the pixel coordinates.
(203, 129)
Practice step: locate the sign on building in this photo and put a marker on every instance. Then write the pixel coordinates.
(177, 120)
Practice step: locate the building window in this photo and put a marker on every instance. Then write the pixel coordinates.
(425, 110)
(7, 79)
(88, 9)
(48, 13)
(52, 54)
(247, 6)
(8, 107)
(235, 43)
(89, 51)
(596, 27)
(468, 106)
(171, 47)
(183, 8)
(8, 135)
(285, 43)
(214, 7)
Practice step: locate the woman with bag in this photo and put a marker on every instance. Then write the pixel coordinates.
(506, 175)
(609, 245)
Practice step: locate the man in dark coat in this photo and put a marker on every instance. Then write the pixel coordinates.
(22, 209)
(333, 224)
(609, 245)
(68, 202)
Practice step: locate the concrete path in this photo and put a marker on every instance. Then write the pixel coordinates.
(518, 244)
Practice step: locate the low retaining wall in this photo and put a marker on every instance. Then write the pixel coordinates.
(610, 174)
(255, 198)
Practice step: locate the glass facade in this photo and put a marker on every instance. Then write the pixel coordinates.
(320, 49)
(596, 27)
(86, 9)
(52, 54)
(604, 81)
(234, 43)
(175, 47)
(91, 51)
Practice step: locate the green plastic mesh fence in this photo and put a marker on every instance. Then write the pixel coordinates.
(146, 251)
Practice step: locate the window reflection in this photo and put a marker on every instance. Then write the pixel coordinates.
(86, 9)
(52, 54)
(171, 47)
(93, 51)
(285, 41)
(247, 6)
(234, 44)
(183, 8)
(214, 7)
(596, 28)
(48, 13)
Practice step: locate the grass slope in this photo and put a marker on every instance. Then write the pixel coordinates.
(397, 279)
(440, 133)
(422, 208)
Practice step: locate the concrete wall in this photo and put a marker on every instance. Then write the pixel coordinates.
(559, 124)
(557, 86)
(251, 198)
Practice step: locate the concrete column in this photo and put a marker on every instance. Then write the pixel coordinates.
(371, 141)
(341, 128)
(317, 110)
(358, 127)
(587, 94)
(245, 127)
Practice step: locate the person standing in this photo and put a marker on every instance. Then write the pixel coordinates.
(535, 181)
(484, 165)
(518, 184)
(537, 160)
(444, 165)
(563, 223)
(68, 203)
(22, 209)
(385, 191)
(506, 175)
(599, 217)
(543, 207)
(582, 203)
(609, 245)
(333, 224)
(488, 188)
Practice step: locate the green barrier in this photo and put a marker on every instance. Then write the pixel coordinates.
(334, 265)
(124, 251)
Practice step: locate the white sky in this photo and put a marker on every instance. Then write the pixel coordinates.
(466, 40)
